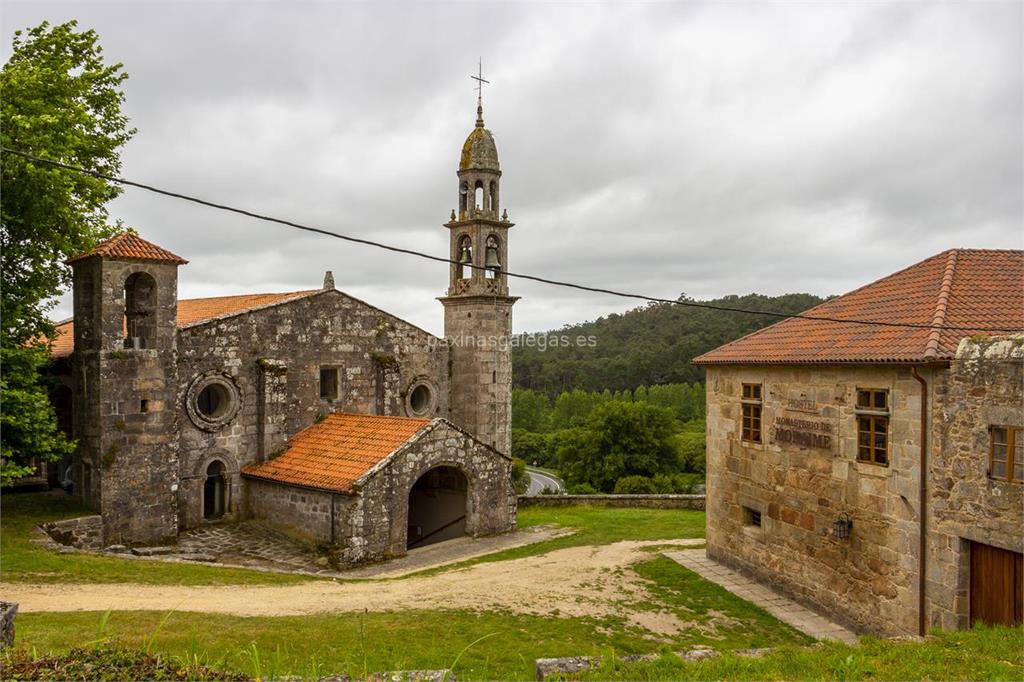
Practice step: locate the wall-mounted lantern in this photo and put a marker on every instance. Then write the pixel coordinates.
(841, 526)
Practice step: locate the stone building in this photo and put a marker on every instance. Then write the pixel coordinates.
(308, 408)
(818, 433)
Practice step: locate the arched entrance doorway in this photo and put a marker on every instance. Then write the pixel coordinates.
(437, 507)
(213, 491)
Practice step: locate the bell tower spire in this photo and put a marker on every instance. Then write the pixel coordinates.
(477, 305)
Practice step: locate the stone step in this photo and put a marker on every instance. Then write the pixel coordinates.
(153, 551)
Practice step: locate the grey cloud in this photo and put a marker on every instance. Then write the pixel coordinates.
(710, 148)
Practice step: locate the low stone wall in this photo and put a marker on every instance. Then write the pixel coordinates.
(85, 532)
(8, 610)
(645, 501)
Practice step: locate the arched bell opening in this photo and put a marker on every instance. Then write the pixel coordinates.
(214, 491)
(492, 257)
(437, 507)
(478, 193)
(139, 310)
(463, 199)
(464, 258)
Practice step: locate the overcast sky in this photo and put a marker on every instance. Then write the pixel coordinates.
(665, 148)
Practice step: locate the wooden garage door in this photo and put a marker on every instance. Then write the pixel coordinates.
(997, 585)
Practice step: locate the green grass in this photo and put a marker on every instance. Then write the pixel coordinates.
(24, 561)
(594, 525)
(978, 654)
(357, 643)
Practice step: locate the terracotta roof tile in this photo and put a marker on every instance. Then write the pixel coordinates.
(190, 311)
(971, 288)
(131, 246)
(335, 453)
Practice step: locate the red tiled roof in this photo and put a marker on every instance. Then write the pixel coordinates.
(973, 289)
(190, 311)
(132, 246)
(336, 452)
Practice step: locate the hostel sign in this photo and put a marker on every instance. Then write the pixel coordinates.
(808, 433)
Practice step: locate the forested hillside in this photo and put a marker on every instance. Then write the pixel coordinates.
(650, 345)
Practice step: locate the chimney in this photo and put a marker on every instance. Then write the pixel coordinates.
(328, 280)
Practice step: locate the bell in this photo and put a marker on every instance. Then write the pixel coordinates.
(466, 258)
(491, 261)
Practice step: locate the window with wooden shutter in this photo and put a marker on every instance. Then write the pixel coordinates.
(1006, 453)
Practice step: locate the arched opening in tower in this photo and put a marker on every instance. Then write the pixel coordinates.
(139, 310)
(479, 195)
(437, 507)
(213, 491)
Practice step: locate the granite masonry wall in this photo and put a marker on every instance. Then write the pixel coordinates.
(84, 532)
(8, 612)
(804, 475)
(307, 511)
(371, 524)
(636, 501)
(268, 363)
(480, 329)
(985, 388)
(124, 408)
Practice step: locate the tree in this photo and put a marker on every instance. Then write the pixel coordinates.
(530, 410)
(620, 439)
(58, 100)
(520, 479)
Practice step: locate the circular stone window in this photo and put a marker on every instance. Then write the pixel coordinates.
(213, 401)
(421, 400)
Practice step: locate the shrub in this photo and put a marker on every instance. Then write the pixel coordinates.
(107, 662)
(676, 484)
(635, 485)
(582, 489)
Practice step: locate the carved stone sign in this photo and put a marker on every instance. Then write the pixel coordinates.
(808, 433)
(802, 405)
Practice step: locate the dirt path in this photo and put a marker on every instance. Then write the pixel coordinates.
(578, 581)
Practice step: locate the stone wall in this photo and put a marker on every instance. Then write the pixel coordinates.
(985, 388)
(125, 418)
(8, 612)
(868, 580)
(479, 329)
(376, 522)
(371, 524)
(269, 360)
(85, 532)
(639, 501)
(307, 511)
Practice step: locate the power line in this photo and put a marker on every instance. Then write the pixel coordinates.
(439, 259)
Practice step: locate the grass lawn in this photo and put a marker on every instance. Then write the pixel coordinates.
(595, 525)
(479, 645)
(978, 654)
(23, 561)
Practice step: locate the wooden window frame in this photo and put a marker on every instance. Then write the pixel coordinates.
(877, 417)
(1014, 436)
(751, 413)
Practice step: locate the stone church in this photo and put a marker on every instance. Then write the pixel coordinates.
(311, 408)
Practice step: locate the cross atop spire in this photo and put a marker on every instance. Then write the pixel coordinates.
(479, 78)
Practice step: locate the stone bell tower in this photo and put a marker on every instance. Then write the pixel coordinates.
(477, 307)
(125, 362)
